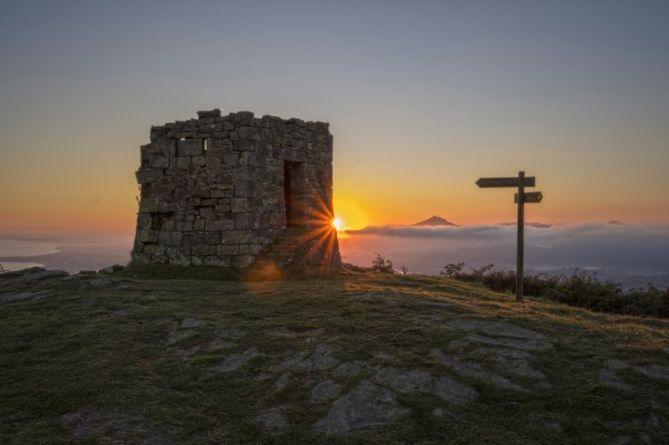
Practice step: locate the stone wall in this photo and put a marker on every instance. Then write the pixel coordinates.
(222, 190)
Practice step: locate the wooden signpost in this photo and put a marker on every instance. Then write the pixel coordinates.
(521, 198)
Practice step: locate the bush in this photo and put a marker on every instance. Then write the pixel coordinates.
(581, 289)
(382, 265)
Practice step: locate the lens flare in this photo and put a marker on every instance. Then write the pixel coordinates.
(337, 223)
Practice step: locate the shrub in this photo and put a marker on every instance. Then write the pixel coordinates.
(453, 270)
(382, 265)
(581, 289)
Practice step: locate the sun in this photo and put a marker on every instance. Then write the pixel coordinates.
(337, 223)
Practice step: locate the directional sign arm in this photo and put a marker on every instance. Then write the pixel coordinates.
(505, 182)
(529, 197)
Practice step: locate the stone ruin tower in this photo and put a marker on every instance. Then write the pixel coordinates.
(237, 191)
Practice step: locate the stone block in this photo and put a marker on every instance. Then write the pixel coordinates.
(199, 161)
(238, 237)
(184, 226)
(220, 224)
(190, 147)
(250, 249)
(216, 112)
(200, 224)
(239, 205)
(203, 249)
(148, 175)
(243, 261)
(147, 236)
(246, 221)
(184, 162)
(227, 249)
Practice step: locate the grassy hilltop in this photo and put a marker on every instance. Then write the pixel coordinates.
(362, 358)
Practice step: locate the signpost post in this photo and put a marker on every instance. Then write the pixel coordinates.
(521, 198)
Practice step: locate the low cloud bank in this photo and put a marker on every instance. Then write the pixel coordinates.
(617, 250)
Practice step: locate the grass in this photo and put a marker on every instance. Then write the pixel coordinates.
(101, 352)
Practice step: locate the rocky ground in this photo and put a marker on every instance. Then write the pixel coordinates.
(110, 358)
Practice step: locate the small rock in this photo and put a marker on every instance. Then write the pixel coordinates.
(616, 364)
(666, 350)
(608, 377)
(320, 360)
(274, 419)
(111, 269)
(458, 345)
(454, 392)
(282, 382)
(347, 370)
(404, 380)
(621, 440)
(7, 297)
(191, 323)
(438, 413)
(657, 372)
(176, 336)
(325, 391)
(237, 360)
(364, 406)
(554, 426)
(219, 344)
(282, 332)
(645, 439)
(186, 353)
(232, 333)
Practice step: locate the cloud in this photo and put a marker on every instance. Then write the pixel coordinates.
(446, 232)
(628, 248)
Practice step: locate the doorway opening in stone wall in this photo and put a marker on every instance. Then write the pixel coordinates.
(292, 179)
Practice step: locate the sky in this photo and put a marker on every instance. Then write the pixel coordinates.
(423, 98)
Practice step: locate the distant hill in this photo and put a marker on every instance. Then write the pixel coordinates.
(616, 222)
(435, 221)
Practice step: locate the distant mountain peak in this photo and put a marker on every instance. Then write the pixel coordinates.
(435, 221)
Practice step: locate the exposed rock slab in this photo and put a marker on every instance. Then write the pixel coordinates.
(514, 362)
(524, 344)
(191, 323)
(495, 329)
(404, 380)
(321, 359)
(454, 392)
(347, 370)
(114, 426)
(282, 382)
(656, 372)
(324, 391)
(366, 405)
(237, 360)
(8, 297)
(475, 371)
(274, 419)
